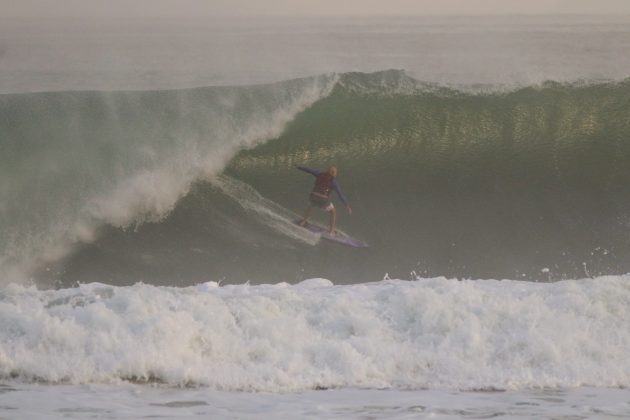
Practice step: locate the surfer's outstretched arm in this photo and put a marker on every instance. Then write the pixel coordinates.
(313, 172)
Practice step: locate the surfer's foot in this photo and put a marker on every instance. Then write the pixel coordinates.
(302, 222)
(332, 232)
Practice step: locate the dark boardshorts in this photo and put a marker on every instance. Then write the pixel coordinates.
(321, 202)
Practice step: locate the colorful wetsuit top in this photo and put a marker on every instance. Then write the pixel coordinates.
(324, 183)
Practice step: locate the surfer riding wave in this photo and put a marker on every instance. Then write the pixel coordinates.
(325, 182)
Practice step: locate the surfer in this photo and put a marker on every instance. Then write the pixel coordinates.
(320, 195)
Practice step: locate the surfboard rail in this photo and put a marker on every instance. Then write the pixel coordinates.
(339, 237)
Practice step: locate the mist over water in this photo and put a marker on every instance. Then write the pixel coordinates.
(115, 54)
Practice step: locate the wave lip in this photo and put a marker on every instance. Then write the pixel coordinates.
(434, 333)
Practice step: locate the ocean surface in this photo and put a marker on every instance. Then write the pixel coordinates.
(150, 266)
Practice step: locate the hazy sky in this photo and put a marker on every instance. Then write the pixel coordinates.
(177, 8)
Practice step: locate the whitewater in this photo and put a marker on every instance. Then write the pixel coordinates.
(390, 349)
(425, 333)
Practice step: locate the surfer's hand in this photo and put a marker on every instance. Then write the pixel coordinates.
(349, 209)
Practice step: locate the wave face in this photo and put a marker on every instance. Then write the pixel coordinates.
(438, 333)
(529, 183)
(72, 162)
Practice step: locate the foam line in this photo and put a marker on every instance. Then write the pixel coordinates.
(434, 333)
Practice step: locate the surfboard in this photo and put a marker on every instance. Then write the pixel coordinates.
(339, 236)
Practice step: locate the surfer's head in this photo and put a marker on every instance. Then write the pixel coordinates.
(332, 171)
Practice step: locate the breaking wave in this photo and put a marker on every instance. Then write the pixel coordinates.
(434, 333)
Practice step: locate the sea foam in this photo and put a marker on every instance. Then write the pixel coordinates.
(427, 333)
